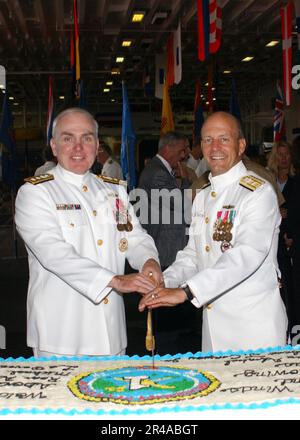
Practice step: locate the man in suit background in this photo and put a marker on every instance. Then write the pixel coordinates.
(169, 209)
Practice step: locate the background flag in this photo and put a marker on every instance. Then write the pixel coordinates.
(174, 58)
(297, 8)
(279, 120)
(128, 143)
(77, 52)
(203, 29)
(177, 55)
(160, 75)
(234, 106)
(170, 61)
(209, 27)
(287, 27)
(167, 120)
(215, 19)
(50, 115)
(9, 166)
(198, 113)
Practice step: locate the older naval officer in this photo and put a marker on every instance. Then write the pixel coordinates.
(78, 230)
(229, 266)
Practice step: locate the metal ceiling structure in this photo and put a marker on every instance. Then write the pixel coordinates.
(35, 42)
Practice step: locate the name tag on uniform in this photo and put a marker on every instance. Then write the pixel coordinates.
(68, 207)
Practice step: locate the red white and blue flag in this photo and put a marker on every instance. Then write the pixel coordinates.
(209, 28)
(287, 28)
(279, 120)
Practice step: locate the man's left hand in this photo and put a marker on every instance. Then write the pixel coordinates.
(162, 297)
(152, 269)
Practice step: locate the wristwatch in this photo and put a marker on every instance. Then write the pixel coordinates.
(189, 294)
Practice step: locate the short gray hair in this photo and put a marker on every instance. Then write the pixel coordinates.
(170, 138)
(70, 111)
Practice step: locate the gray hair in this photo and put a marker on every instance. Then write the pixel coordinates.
(170, 139)
(73, 110)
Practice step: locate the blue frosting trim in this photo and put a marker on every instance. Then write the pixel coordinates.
(164, 409)
(199, 355)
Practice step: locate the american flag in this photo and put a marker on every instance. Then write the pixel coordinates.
(279, 121)
(209, 27)
(297, 9)
(287, 27)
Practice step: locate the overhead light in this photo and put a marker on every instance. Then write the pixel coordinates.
(227, 72)
(247, 59)
(16, 103)
(138, 16)
(113, 100)
(61, 97)
(207, 84)
(2, 87)
(120, 60)
(115, 71)
(126, 43)
(11, 98)
(272, 43)
(106, 90)
(109, 83)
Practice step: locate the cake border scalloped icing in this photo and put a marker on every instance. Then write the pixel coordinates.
(162, 410)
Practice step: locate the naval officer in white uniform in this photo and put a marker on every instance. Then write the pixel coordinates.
(229, 266)
(78, 233)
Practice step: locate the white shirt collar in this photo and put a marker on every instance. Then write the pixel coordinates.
(68, 176)
(166, 163)
(223, 180)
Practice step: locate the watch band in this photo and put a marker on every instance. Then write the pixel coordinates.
(188, 292)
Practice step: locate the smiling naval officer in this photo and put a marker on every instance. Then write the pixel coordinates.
(229, 266)
(79, 229)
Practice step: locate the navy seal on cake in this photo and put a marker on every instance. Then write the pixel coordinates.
(229, 266)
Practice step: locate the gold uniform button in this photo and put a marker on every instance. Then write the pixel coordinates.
(209, 307)
(207, 220)
(85, 188)
(100, 242)
(214, 194)
(106, 301)
(207, 248)
(95, 213)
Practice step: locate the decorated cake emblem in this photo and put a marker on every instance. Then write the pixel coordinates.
(141, 386)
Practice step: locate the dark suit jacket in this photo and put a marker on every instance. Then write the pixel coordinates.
(165, 220)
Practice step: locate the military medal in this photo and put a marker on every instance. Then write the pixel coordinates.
(128, 227)
(123, 245)
(223, 227)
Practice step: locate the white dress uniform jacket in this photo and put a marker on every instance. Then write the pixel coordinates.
(238, 286)
(74, 250)
(111, 168)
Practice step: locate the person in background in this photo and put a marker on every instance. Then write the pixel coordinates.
(280, 163)
(229, 266)
(166, 223)
(110, 167)
(196, 161)
(79, 229)
(49, 162)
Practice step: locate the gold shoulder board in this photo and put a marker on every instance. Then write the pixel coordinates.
(107, 179)
(36, 180)
(252, 183)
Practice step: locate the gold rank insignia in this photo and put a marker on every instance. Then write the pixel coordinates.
(36, 180)
(107, 179)
(252, 183)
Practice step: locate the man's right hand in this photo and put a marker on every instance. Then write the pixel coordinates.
(132, 283)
